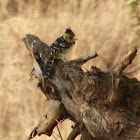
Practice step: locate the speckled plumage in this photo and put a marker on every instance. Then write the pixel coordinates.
(58, 50)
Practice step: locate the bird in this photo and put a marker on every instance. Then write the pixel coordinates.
(58, 50)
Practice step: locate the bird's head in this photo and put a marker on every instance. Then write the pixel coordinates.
(69, 36)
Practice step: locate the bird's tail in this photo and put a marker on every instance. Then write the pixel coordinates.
(49, 70)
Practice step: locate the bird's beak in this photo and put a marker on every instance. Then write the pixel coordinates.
(75, 38)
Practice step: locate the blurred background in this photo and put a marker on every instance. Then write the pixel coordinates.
(109, 27)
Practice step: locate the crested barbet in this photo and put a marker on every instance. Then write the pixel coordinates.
(58, 50)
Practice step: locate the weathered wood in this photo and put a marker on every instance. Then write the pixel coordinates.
(107, 103)
(54, 113)
(124, 62)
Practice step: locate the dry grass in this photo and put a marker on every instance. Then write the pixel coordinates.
(102, 26)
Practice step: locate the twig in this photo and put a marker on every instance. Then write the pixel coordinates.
(54, 137)
(59, 132)
(31, 77)
(56, 134)
(31, 71)
(58, 129)
(31, 74)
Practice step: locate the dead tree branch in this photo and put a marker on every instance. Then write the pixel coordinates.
(85, 97)
(124, 62)
(84, 59)
(55, 111)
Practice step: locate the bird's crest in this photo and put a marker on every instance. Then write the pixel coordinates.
(69, 31)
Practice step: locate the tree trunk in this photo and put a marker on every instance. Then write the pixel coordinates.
(103, 105)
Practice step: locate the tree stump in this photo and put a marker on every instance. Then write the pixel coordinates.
(103, 105)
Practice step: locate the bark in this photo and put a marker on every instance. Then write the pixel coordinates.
(103, 105)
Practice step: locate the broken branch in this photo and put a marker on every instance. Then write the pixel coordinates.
(124, 62)
(84, 59)
(55, 110)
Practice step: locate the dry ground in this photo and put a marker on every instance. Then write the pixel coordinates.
(102, 26)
